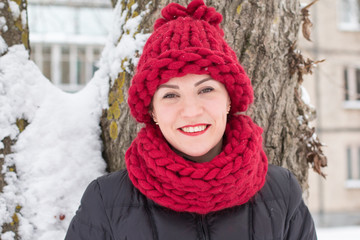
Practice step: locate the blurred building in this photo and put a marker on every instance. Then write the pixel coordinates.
(67, 37)
(335, 92)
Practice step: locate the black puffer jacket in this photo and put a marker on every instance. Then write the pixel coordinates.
(112, 208)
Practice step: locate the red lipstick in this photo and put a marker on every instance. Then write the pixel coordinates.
(193, 126)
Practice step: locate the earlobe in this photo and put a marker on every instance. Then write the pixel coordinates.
(228, 107)
(154, 118)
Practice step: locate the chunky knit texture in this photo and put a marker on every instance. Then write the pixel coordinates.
(187, 40)
(190, 40)
(230, 179)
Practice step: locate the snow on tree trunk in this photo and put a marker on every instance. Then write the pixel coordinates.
(118, 127)
(13, 23)
(263, 34)
(14, 30)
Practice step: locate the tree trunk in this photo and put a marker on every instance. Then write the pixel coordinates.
(263, 34)
(15, 31)
(118, 127)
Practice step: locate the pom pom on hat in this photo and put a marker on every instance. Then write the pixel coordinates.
(187, 40)
(196, 9)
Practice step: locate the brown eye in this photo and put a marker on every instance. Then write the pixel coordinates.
(206, 90)
(170, 95)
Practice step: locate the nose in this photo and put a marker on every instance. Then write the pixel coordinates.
(191, 107)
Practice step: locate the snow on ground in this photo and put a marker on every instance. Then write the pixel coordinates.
(59, 152)
(56, 156)
(336, 233)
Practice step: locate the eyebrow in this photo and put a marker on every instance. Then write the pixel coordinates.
(201, 81)
(168, 86)
(177, 87)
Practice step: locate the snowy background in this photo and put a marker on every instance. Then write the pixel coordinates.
(336, 233)
(59, 152)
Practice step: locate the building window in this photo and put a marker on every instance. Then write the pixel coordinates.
(44, 59)
(353, 167)
(65, 66)
(352, 87)
(67, 38)
(68, 66)
(349, 11)
(349, 164)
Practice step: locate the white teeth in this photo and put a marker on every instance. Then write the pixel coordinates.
(194, 129)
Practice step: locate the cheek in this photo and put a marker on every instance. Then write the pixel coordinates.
(217, 107)
(164, 114)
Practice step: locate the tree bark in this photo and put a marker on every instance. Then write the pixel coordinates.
(12, 226)
(118, 127)
(263, 34)
(15, 31)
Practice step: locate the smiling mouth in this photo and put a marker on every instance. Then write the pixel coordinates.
(194, 130)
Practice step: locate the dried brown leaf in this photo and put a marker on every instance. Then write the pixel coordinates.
(306, 29)
(307, 24)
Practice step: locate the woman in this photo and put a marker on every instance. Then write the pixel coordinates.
(197, 169)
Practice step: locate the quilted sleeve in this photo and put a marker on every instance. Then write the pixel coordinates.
(90, 221)
(300, 224)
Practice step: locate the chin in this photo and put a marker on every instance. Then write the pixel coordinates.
(196, 153)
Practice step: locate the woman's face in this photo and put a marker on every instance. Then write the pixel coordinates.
(191, 112)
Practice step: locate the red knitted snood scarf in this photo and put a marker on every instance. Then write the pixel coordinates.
(230, 179)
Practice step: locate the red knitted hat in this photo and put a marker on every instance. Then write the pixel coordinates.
(187, 40)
